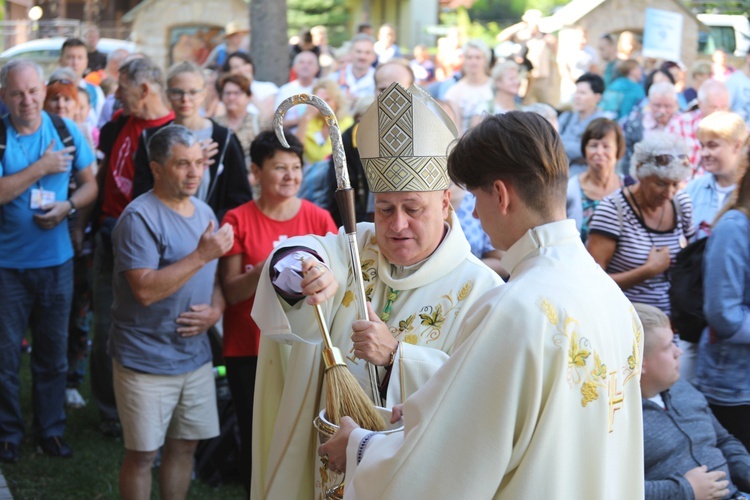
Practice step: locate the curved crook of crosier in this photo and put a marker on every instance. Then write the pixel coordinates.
(339, 157)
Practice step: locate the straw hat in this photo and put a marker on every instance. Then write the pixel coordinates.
(234, 27)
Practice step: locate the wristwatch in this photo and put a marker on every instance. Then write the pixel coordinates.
(72, 207)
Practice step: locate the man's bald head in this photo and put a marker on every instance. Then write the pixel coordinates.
(395, 70)
(713, 96)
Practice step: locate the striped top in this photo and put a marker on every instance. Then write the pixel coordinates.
(635, 240)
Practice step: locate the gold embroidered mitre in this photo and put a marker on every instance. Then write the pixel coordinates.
(403, 141)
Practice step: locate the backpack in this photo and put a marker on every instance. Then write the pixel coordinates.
(686, 291)
(62, 132)
(686, 283)
(57, 121)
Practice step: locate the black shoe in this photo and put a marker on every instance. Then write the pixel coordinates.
(54, 446)
(110, 428)
(8, 452)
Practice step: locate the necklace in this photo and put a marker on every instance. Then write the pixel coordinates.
(642, 215)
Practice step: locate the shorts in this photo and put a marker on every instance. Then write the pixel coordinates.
(153, 407)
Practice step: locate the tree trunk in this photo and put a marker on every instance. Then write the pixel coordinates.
(269, 45)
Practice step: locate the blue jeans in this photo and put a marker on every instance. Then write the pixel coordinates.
(40, 299)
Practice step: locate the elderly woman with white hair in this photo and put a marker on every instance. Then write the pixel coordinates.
(636, 232)
(505, 80)
(474, 87)
(661, 106)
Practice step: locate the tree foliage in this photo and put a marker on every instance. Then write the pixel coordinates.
(333, 14)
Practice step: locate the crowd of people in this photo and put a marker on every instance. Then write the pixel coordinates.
(150, 209)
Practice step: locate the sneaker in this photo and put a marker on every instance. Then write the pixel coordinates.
(73, 399)
(8, 452)
(110, 428)
(54, 446)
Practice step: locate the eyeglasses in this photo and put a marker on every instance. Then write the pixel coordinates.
(178, 94)
(664, 160)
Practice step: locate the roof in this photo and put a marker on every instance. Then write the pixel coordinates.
(574, 11)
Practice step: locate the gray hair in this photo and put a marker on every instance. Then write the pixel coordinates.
(161, 143)
(184, 67)
(643, 162)
(118, 56)
(711, 86)
(304, 53)
(362, 37)
(18, 64)
(662, 89)
(63, 74)
(544, 110)
(143, 70)
(478, 44)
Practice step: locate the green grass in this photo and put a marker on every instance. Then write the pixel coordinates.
(92, 471)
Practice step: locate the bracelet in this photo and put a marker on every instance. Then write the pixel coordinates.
(363, 445)
(393, 354)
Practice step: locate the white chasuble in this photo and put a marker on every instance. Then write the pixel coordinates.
(424, 307)
(540, 398)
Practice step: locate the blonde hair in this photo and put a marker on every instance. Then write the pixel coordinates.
(476, 43)
(335, 94)
(501, 67)
(700, 68)
(722, 125)
(651, 319)
(739, 199)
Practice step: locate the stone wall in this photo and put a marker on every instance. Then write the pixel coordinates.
(153, 21)
(614, 16)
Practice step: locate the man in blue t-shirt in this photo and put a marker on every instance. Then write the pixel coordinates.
(165, 299)
(36, 270)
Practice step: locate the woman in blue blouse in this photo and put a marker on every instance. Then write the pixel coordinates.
(723, 373)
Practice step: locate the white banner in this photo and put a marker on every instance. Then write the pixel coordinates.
(662, 35)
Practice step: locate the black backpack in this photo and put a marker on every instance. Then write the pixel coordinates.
(686, 291)
(57, 121)
(62, 132)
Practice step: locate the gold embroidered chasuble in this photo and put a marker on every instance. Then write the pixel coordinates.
(540, 398)
(431, 302)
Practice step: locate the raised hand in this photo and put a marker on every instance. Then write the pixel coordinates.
(56, 162)
(213, 245)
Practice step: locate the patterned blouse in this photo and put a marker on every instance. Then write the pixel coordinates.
(246, 132)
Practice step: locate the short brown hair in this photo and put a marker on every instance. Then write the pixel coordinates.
(518, 147)
(651, 319)
(240, 80)
(600, 127)
(625, 67)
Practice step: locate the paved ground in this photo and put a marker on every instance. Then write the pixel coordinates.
(4, 491)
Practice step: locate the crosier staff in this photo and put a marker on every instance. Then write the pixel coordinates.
(344, 200)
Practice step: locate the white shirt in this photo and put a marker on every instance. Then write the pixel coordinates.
(288, 90)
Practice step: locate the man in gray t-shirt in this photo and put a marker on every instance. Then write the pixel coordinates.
(165, 299)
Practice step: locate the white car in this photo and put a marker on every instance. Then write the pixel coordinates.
(46, 51)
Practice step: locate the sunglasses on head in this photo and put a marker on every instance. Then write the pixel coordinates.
(664, 160)
(64, 81)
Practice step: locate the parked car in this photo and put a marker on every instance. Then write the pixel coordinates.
(729, 32)
(46, 51)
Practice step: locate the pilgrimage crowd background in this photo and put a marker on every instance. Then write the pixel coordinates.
(657, 155)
